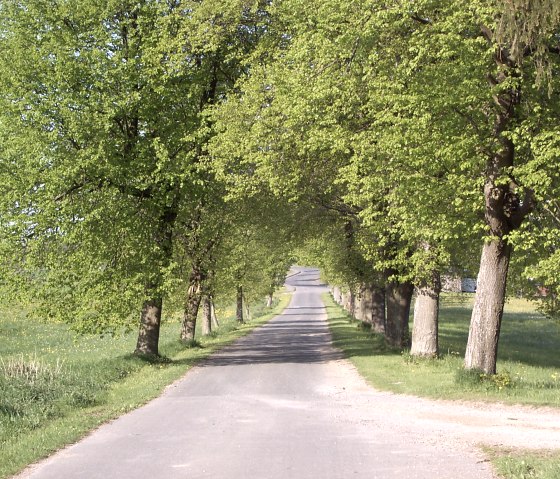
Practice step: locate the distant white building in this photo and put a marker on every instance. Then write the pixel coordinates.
(456, 284)
(468, 285)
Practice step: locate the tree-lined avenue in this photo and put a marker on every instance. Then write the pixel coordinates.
(278, 403)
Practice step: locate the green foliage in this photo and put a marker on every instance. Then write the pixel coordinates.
(395, 118)
(142, 139)
(330, 129)
(102, 137)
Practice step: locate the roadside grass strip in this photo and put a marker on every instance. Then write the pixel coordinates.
(519, 464)
(528, 368)
(57, 386)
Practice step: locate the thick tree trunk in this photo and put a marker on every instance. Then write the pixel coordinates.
(190, 313)
(348, 301)
(482, 346)
(192, 304)
(206, 316)
(363, 304)
(504, 210)
(269, 299)
(150, 316)
(399, 297)
(148, 336)
(426, 316)
(344, 299)
(378, 317)
(239, 309)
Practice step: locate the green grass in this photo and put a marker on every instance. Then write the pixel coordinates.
(528, 368)
(525, 464)
(56, 385)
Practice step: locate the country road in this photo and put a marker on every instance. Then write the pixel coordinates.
(282, 403)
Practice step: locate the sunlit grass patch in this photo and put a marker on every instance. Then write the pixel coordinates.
(525, 464)
(528, 366)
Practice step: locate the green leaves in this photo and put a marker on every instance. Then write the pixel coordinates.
(125, 127)
(390, 110)
(104, 131)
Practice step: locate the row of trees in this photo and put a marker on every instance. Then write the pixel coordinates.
(110, 205)
(157, 151)
(428, 129)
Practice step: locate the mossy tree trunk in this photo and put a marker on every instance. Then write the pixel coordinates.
(150, 321)
(378, 315)
(192, 304)
(150, 316)
(206, 315)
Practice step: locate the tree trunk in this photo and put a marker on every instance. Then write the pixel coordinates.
(192, 304)
(484, 332)
(239, 309)
(399, 297)
(269, 299)
(247, 309)
(206, 316)
(378, 317)
(215, 322)
(337, 294)
(363, 304)
(150, 316)
(504, 211)
(426, 315)
(148, 336)
(348, 301)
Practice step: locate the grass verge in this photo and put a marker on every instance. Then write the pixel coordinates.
(528, 369)
(57, 386)
(515, 464)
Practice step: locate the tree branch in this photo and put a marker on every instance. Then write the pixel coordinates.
(526, 206)
(100, 183)
(554, 215)
(424, 21)
(340, 207)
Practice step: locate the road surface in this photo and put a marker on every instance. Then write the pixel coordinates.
(280, 403)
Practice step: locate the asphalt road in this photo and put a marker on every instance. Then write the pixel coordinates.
(280, 403)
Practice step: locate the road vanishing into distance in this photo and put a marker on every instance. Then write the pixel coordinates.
(280, 403)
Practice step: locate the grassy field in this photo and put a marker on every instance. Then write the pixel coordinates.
(528, 369)
(56, 385)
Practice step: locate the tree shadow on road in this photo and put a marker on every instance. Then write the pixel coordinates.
(282, 340)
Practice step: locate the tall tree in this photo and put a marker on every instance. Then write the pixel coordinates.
(104, 107)
(516, 38)
(482, 90)
(80, 82)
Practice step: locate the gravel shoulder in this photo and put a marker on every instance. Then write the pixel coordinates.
(470, 423)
